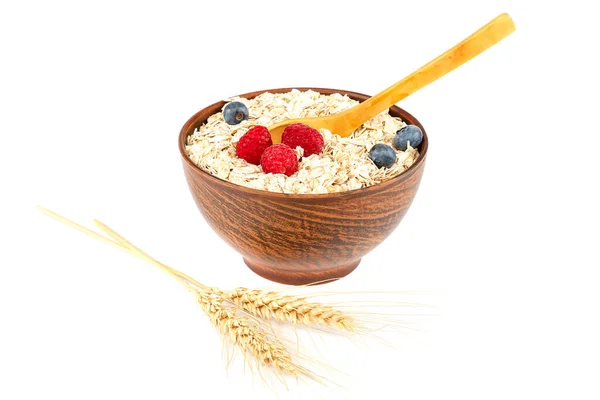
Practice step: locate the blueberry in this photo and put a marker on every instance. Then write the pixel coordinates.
(382, 155)
(235, 112)
(409, 133)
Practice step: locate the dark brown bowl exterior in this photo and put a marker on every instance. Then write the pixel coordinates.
(301, 238)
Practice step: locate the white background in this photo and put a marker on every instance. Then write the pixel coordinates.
(504, 228)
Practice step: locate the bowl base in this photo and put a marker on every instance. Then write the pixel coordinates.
(309, 277)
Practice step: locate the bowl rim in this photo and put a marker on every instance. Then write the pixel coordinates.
(182, 139)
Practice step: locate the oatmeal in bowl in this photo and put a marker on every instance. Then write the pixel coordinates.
(371, 155)
(323, 202)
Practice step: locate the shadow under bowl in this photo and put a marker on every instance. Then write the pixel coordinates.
(301, 239)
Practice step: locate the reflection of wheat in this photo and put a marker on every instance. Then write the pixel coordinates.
(296, 310)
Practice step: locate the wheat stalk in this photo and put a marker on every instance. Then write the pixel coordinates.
(247, 334)
(241, 315)
(292, 309)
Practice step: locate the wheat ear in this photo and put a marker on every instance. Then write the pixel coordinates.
(249, 337)
(292, 309)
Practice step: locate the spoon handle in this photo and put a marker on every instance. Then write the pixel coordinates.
(490, 34)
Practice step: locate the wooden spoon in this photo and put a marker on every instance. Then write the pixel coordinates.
(346, 122)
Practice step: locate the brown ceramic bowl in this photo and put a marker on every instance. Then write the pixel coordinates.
(301, 238)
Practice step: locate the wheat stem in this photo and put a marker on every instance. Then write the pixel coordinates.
(121, 243)
(80, 228)
(143, 255)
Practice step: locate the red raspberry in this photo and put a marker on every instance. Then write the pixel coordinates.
(253, 144)
(279, 159)
(304, 136)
